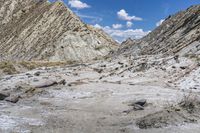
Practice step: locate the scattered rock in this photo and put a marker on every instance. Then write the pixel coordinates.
(18, 88)
(12, 99)
(45, 77)
(98, 70)
(37, 73)
(103, 65)
(183, 67)
(46, 84)
(118, 82)
(138, 107)
(35, 80)
(176, 58)
(28, 74)
(76, 83)
(141, 102)
(63, 82)
(4, 95)
(120, 63)
(75, 74)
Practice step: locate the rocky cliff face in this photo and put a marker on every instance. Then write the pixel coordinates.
(178, 34)
(40, 30)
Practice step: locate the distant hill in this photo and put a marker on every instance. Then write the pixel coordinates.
(178, 34)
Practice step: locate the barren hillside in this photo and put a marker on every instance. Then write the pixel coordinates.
(178, 34)
(40, 30)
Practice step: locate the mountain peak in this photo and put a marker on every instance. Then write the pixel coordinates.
(39, 30)
(178, 34)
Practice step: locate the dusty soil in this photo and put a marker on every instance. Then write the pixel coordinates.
(96, 97)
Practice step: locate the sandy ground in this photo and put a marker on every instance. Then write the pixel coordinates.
(96, 97)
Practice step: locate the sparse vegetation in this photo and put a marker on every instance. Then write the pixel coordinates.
(190, 103)
(7, 67)
(30, 65)
(99, 48)
(193, 56)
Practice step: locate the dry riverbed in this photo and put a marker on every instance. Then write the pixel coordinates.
(123, 95)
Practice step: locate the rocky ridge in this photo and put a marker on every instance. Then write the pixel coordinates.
(178, 34)
(40, 30)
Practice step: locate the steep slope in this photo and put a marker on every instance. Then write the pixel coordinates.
(40, 30)
(178, 34)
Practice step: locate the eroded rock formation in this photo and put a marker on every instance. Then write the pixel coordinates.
(178, 34)
(40, 30)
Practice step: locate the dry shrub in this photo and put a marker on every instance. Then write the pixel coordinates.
(190, 102)
(8, 67)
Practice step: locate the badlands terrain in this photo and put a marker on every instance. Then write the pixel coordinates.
(151, 85)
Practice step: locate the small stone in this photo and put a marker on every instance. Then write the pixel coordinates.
(183, 67)
(37, 73)
(103, 66)
(116, 68)
(177, 109)
(46, 84)
(19, 88)
(28, 74)
(138, 107)
(141, 102)
(118, 82)
(69, 85)
(63, 82)
(75, 74)
(98, 70)
(169, 81)
(120, 63)
(35, 80)
(45, 77)
(12, 99)
(3, 95)
(173, 67)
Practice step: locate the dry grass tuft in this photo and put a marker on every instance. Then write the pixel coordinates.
(13, 67)
(8, 67)
(190, 102)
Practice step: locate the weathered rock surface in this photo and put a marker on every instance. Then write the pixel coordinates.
(178, 34)
(113, 100)
(3, 95)
(40, 30)
(12, 99)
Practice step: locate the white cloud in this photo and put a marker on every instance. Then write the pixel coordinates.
(160, 22)
(123, 15)
(78, 4)
(122, 35)
(98, 26)
(94, 19)
(129, 24)
(117, 26)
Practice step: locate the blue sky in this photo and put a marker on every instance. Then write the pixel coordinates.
(127, 18)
